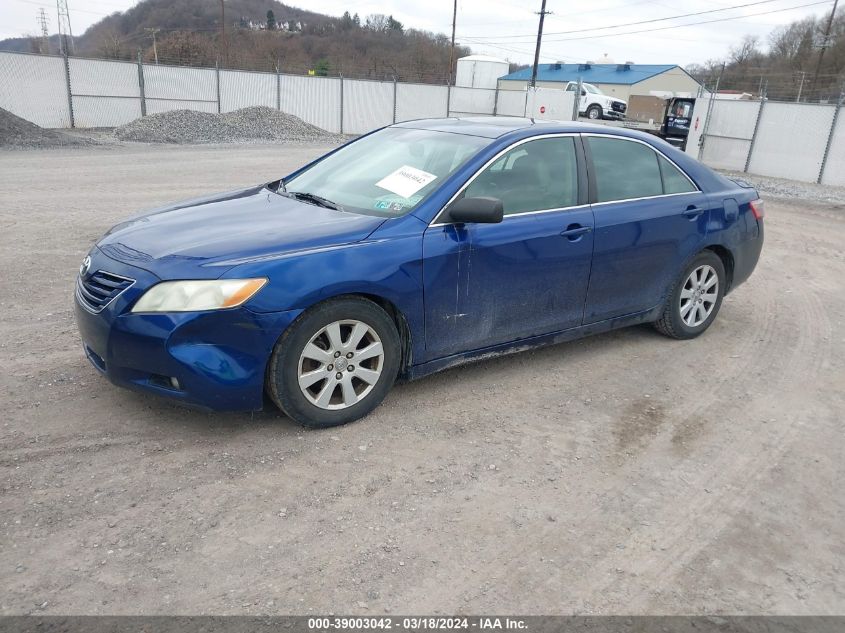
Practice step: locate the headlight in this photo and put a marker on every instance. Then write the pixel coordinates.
(190, 296)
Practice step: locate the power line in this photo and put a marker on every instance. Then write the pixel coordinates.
(672, 17)
(680, 26)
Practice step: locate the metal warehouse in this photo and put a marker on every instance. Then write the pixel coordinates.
(616, 80)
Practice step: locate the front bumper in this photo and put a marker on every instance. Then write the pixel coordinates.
(214, 360)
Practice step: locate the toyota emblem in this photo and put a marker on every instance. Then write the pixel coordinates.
(86, 266)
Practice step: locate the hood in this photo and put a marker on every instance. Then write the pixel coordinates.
(204, 237)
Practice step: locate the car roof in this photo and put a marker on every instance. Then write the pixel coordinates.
(496, 126)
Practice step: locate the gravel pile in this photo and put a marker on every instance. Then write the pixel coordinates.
(16, 132)
(248, 125)
(783, 188)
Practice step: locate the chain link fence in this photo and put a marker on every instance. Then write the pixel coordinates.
(60, 92)
(798, 141)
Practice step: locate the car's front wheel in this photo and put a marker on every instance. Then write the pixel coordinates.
(695, 300)
(335, 363)
(594, 112)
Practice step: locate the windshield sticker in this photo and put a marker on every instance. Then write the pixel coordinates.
(382, 204)
(406, 181)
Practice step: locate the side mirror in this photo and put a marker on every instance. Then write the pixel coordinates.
(583, 93)
(476, 210)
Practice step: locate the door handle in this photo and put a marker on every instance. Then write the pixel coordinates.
(573, 232)
(693, 212)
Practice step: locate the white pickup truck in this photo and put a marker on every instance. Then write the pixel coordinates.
(594, 104)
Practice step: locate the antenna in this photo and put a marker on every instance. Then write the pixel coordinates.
(66, 45)
(43, 20)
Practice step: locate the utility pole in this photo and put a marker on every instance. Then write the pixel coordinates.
(223, 32)
(153, 32)
(452, 52)
(800, 86)
(45, 36)
(543, 13)
(825, 44)
(65, 32)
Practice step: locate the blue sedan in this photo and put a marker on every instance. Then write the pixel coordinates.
(409, 250)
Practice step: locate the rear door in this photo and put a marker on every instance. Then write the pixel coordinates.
(650, 218)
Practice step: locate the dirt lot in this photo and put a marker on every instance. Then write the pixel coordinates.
(626, 473)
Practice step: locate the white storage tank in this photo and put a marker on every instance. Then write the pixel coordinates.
(480, 71)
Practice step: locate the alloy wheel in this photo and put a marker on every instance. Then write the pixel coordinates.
(341, 364)
(698, 295)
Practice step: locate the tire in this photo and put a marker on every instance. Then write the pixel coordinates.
(594, 112)
(687, 312)
(322, 337)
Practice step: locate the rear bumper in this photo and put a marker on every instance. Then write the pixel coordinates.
(747, 254)
(212, 360)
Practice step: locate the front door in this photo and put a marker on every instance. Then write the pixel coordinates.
(487, 284)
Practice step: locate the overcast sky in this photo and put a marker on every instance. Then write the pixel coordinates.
(507, 28)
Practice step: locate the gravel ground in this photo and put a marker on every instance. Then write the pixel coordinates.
(256, 124)
(17, 133)
(624, 473)
(783, 188)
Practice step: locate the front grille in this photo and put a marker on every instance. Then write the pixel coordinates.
(619, 107)
(99, 289)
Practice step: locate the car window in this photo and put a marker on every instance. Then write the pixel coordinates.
(674, 181)
(624, 169)
(534, 176)
(388, 173)
(682, 109)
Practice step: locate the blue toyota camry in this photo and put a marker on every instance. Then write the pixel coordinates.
(411, 249)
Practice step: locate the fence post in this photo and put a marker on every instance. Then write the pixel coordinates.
(710, 103)
(576, 104)
(141, 85)
(754, 133)
(496, 101)
(217, 77)
(278, 85)
(341, 103)
(394, 98)
(69, 93)
(830, 135)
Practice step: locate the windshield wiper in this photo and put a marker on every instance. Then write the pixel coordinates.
(313, 199)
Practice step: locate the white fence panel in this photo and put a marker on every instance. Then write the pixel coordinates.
(315, 100)
(725, 153)
(33, 87)
(512, 103)
(729, 133)
(179, 88)
(470, 101)
(242, 89)
(791, 139)
(105, 93)
(367, 105)
(420, 101)
(550, 104)
(834, 170)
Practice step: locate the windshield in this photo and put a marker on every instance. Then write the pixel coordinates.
(591, 88)
(387, 173)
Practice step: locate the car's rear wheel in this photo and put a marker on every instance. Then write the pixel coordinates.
(335, 363)
(694, 302)
(594, 112)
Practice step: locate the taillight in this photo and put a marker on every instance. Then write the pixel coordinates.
(758, 208)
